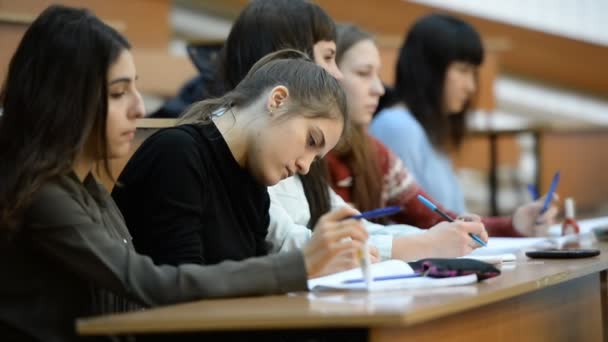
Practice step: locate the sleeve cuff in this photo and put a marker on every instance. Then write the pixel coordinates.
(290, 271)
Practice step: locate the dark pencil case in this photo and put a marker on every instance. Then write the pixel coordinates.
(443, 268)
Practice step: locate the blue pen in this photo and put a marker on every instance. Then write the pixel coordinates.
(549, 197)
(533, 191)
(434, 208)
(389, 277)
(377, 213)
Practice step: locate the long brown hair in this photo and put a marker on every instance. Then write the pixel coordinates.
(55, 101)
(357, 150)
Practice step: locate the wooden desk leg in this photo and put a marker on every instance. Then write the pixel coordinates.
(492, 176)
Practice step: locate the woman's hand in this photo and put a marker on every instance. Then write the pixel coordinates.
(452, 239)
(528, 221)
(334, 243)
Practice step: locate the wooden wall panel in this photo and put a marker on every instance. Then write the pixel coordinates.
(582, 159)
(144, 22)
(562, 61)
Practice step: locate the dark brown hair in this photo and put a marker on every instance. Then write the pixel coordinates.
(54, 102)
(431, 45)
(265, 26)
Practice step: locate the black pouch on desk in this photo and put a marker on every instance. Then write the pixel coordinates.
(443, 268)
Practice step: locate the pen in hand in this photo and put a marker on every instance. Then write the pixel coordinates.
(549, 197)
(364, 252)
(447, 217)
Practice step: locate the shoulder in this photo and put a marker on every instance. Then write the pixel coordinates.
(397, 127)
(173, 146)
(378, 145)
(175, 137)
(396, 118)
(61, 200)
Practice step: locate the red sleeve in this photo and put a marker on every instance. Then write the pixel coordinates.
(500, 226)
(401, 189)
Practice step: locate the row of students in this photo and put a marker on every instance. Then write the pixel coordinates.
(165, 193)
(65, 251)
(195, 193)
(366, 172)
(369, 175)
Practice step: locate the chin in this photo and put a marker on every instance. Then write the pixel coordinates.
(268, 180)
(117, 153)
(363, 120)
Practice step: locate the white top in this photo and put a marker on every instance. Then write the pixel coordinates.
(290, 213)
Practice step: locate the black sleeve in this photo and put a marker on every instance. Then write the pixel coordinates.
(62, 230)
(162, 197)
(263, 247)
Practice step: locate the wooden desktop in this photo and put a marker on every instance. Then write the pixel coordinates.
(533, 300)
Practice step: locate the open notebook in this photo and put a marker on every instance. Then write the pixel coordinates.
(340, 281)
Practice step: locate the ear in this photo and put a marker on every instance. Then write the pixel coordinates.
(277, 98)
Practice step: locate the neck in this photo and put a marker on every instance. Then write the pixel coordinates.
(82, 166)
(233, 133)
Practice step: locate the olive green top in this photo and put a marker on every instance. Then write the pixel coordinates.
(73, 258)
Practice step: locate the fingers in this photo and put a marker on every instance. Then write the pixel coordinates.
(541, 200)
(374, 254)
(467, 217)
(476, 228)
(347, 229)
(338, 214)
(548, 218)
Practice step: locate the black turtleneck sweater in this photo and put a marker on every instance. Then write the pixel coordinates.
(186, 199)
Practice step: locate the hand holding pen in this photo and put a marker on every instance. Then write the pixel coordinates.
(535, 218)
(364, 253)
(434, 208)
(335, 242)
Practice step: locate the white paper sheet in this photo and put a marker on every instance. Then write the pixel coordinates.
(385, 268)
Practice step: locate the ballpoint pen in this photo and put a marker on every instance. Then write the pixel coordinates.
(434, 208)
(364, 252)
(549, 197)
(377, 213)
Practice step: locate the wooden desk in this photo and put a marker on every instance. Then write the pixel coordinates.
(535, 300)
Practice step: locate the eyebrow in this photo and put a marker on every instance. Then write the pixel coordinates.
(121, 79)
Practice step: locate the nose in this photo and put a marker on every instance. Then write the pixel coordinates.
(137, 108)
(333, 69)
(303, 163)
(377, 87)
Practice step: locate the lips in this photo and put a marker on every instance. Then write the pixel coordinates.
(289, 172)
(129, 134)
(371, 107)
